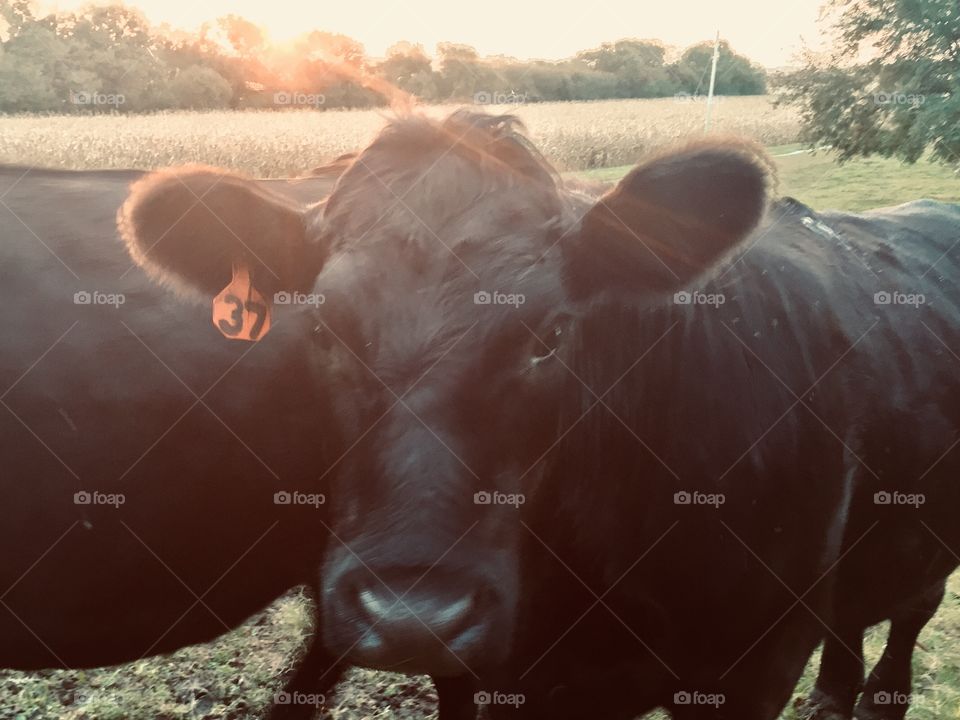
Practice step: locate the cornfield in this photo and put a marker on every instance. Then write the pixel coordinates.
(575, 136)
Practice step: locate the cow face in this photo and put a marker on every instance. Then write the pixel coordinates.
(455, 272)
(444, 307)
(460, 271)
(422, 574)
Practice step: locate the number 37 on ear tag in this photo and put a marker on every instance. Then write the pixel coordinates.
(240, 311)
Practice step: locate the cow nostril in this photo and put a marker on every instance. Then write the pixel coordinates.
(406, 619)
(375, 605)
(453, 614)
(441, 611)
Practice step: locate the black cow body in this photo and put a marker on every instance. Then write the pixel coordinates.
(798, 400)
(148, 401)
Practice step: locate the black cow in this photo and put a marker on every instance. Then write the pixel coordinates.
(142, 451)
(203, 465)
(895, 556)
(684, 393)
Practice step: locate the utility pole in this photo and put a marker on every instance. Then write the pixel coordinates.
(713, 80)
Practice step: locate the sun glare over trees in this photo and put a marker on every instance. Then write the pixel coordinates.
(110, 58)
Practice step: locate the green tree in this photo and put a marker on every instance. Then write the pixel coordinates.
(638, 66)
(28, 67)
(200, 87)
(16, 14)
(408, 67)
(59, 61)
(736, 75)
(113, 47)
(246, 39)
(890, 84)
(244, 68)
(463, 75)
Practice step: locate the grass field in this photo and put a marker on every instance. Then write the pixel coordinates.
(818, 181)
(236, 677)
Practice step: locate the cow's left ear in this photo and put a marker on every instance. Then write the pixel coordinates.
(669, 220)
(189, 227)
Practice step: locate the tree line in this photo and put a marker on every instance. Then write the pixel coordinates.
(111, 59)
(889, 85)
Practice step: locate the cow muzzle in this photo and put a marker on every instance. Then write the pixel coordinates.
(414, 620)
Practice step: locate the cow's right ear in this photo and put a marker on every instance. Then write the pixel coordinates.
(189, 226)
(669, 221)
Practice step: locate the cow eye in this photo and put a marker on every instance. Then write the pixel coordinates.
(322, 338)
(545, 346)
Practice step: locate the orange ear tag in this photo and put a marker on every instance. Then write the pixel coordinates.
(239, 311)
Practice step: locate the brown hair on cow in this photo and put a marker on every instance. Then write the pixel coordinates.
(452, 163)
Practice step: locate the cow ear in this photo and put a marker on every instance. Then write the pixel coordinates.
(669, 220)
(189, 226)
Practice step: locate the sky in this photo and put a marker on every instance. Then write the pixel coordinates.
(766, 31)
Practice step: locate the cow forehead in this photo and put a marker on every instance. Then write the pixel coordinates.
(442, 179)
(408, 306)
(426, 219)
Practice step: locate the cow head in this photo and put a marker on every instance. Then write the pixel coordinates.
(459, 271)
(455, 270)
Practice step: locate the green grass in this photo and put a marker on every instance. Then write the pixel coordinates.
(936, 663)
(863, 184)
(236, 676)
(818, 181)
